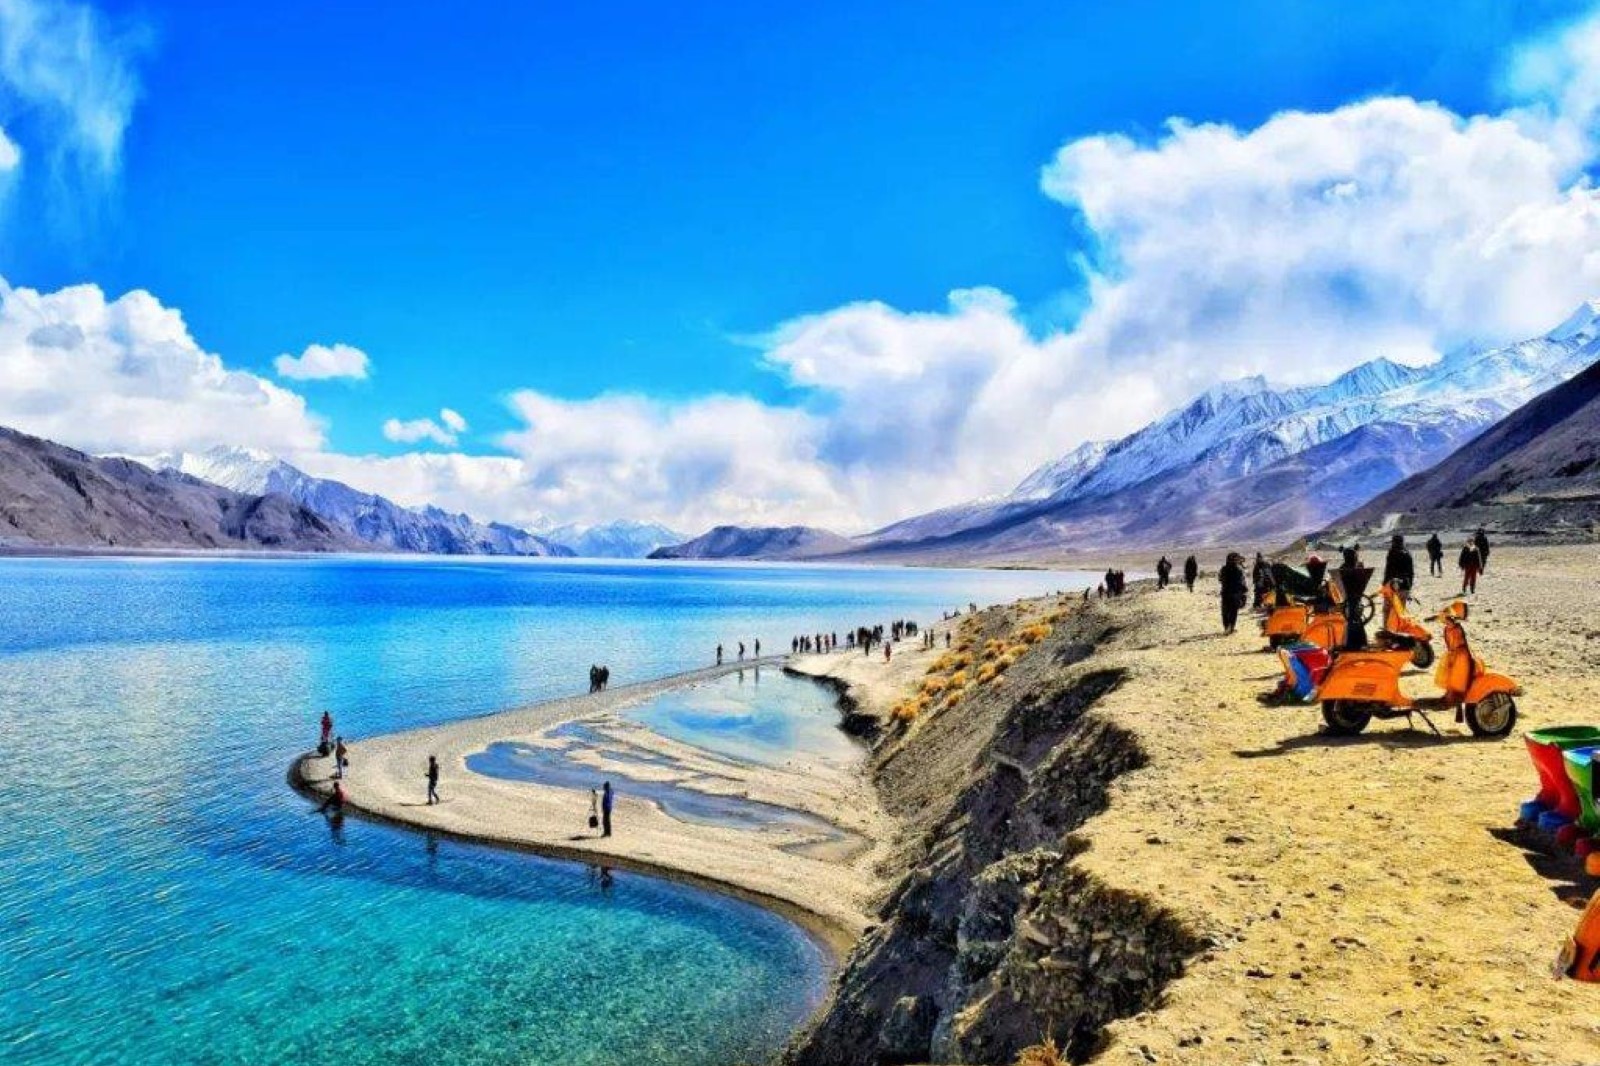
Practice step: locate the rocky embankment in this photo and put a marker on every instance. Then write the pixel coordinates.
(992, 938)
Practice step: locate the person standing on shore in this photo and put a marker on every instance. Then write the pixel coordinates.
(327, 732)
(607, 798)
(1471, 563)
(1399, 570)
(335, 800)
(1235, 592)
(758, 648)
(1480, 540)
(1435, 556)
(340, 759)
(719, 654)
(433, 780)
(1191, 571)
(741, 651)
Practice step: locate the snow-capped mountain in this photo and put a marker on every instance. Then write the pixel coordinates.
(622, 539)
(374, 519)
(1199, 471)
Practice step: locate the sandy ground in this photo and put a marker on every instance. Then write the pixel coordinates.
(1365, 901)
(823, 884)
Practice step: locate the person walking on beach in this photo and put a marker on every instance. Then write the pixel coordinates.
(607, 798)
(758, 649)
(1480, 540)
(1235, 593)
(1191, 571)
(1399, 569)
(719, 654)
(1435, 556)
(1471, 563)
(741, 651)
(433, 780)
(340, 759)
(1163, 572)
(327, 731)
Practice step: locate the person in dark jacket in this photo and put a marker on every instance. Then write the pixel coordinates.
(1191, 571)
(1480, 540)
(608, 799)
(1261, 579)
(1435, 556)
(1471, 564)
(1235, 593)
(1317, 568)
(1399, 569)
(1163, 572)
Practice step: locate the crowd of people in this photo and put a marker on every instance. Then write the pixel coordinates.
(1240, 589)
(1115, 583)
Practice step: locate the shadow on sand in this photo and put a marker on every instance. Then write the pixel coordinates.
(1568, 883)
(1392, 740)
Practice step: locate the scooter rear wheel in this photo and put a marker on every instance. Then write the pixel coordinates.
(1422, 655)
(1346, 718)
(1493, 716)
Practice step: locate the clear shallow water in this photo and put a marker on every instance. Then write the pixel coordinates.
(762, 716)
(165, 897)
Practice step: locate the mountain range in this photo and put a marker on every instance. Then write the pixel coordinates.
(1536, 472)
(759, 542)
(52, 496)
(375, 520)
(1246, 462)
(620, 539)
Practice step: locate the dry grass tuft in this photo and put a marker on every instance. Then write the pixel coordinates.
(1042, 1054)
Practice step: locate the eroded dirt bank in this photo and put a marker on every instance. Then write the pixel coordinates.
(992, 936)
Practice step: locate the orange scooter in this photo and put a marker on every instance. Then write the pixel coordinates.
(1320, 622)
(1363, 685)
(1401, 632)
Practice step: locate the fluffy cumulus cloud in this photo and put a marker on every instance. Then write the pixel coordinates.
(72, 70)
(321, 362)
(446, 431)
(124, 375)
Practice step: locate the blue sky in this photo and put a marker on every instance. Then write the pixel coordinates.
(630, 199)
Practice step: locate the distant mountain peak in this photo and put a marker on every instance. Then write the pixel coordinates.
(1583, 322)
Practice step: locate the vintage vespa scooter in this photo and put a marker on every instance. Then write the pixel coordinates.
(1364, 683)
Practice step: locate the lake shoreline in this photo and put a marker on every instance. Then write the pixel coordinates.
(825, 892)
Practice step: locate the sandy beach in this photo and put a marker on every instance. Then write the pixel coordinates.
(1365, 898)
(823, 880)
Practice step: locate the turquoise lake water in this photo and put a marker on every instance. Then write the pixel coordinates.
(165, 897)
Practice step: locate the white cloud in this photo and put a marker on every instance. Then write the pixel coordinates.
(10, 155)
(321, 362)
(124, 375)
(73, 69)
(420, 429)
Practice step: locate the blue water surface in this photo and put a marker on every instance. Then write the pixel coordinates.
(164, 896)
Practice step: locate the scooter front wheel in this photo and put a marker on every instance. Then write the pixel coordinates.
(1346, 718)
(1492, 716)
